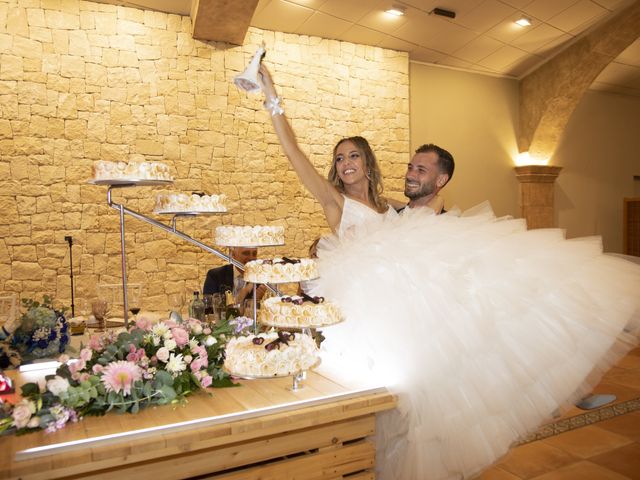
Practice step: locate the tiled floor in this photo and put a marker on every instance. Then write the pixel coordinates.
(606, 450)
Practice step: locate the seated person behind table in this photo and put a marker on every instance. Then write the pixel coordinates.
(229, 277)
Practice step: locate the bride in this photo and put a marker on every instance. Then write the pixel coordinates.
(483, 328)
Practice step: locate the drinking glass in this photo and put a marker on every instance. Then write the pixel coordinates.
(100, 309)
(176, 302)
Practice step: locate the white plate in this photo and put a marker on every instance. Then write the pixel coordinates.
(205, 212)
(130, 181)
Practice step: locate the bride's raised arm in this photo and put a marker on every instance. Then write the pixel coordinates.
(330, 199)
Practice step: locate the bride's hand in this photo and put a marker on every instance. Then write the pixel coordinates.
(266, 82)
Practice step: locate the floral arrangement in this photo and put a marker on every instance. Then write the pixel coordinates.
(41, 332)
(151, 364)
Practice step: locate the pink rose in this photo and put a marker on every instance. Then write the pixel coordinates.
(180, 336)
(85, 354)
(196, 365)
(95, 343)
(84, 377)
(77, 366)
(206, 381)
(97, 368)
(143, 323)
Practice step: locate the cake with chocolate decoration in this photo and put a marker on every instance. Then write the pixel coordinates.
(298, 312)
(271, 354)
(280, 270)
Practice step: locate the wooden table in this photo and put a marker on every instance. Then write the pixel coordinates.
(261, 430)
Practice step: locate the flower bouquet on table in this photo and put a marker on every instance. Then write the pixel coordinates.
(40, 332)
(151, 364)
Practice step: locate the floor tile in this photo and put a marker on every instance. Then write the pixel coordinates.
(588, 441)
(622, 392)
(582, 471)
(624, 460)
(627, 425)
(496, 473)
(629, 362)
(532, 459)
(628, 378)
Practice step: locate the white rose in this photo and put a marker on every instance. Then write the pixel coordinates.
(170, 344)
(210, 340)
(22, 413)
(34, 422)
(57, 385)
(163, 354)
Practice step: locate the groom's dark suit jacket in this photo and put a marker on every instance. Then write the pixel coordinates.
(218, 280)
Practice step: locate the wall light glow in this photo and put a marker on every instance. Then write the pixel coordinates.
(524, 158)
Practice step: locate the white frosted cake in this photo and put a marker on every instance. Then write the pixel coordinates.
(104, 170)
(247, 236)
(298, 312)
(270, 354)
(280, 270)
(181, 202)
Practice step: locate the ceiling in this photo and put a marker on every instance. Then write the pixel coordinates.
(482, 38)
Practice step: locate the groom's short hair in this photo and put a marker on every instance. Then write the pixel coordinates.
(445, 159)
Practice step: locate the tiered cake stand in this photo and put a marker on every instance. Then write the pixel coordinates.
(171, 229)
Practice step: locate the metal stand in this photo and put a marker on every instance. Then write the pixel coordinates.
(169, 229)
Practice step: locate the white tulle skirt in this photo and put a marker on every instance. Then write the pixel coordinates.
(483, 328)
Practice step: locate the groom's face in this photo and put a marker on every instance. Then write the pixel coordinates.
(423, 176)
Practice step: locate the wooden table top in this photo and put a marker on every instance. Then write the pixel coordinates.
(215, 416)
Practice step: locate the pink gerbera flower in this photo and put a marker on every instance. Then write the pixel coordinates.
(119, 376)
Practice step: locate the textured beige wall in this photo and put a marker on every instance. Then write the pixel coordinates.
(600, 154)
(474, 117)
(82, 81)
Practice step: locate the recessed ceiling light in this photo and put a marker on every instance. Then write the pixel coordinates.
(396, 10)
(524, 22)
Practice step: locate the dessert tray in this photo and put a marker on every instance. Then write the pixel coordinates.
(259, 377)
(142, 182)
(189, 212)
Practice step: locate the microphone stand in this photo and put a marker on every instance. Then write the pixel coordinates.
(69, 239)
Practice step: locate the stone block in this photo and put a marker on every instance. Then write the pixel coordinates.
(75, 129)
(71, 66)
(26, 271)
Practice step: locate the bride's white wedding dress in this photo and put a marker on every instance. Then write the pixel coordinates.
(483, 328)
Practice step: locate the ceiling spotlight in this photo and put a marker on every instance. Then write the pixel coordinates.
(396, 10)
(524, 22)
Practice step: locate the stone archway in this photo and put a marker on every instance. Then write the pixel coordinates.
(549, 95)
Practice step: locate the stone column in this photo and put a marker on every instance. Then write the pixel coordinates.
(536, 194)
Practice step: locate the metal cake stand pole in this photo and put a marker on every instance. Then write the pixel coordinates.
(123, 255)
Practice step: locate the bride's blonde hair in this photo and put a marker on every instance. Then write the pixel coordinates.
(372, 171)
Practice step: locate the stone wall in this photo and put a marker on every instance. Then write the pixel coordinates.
(82, 81)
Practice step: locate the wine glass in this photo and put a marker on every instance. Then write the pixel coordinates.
(100, 309)
(133, 300)
(176, 302)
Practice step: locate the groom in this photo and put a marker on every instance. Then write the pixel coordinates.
(427, 173)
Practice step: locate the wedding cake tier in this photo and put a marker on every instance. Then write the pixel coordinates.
(280, 270)
(272, 354)
(134, 171)
(298, 312)
(181, 202)
(249, 236)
